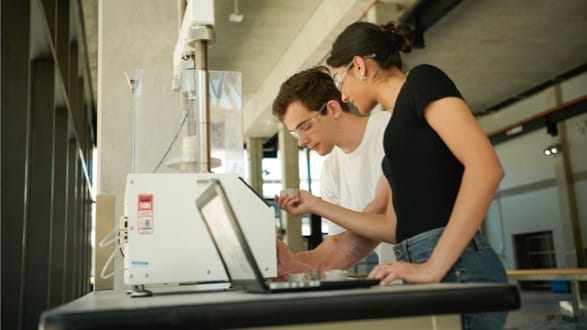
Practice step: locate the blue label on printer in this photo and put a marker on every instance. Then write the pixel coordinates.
(139, 263)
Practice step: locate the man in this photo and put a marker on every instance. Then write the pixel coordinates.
(311, 108)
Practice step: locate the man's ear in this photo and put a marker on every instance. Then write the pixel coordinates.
(334, 108)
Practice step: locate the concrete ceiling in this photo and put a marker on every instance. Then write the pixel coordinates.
(493, 50)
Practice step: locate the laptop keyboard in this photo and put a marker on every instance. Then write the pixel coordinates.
(287, 285)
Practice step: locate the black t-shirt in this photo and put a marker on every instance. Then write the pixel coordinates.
(423, 173)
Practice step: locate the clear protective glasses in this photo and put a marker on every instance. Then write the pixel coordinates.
(307, 124)
(339, 77)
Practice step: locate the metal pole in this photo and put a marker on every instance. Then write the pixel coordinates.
(200, 36)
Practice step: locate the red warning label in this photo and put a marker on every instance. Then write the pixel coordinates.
(145, 214)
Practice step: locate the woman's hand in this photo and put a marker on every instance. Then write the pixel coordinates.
(408, 272)
(297, 205)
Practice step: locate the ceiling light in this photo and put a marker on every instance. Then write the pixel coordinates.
(236, 17)
(552, 150)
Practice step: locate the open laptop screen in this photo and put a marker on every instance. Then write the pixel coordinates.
(220, 220)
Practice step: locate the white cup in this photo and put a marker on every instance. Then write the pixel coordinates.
(335, 275)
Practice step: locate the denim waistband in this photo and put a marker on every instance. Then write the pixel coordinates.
(402, 249)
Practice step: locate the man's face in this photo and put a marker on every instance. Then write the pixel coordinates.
(310, 127)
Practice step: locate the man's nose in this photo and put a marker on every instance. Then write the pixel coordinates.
(302, 140)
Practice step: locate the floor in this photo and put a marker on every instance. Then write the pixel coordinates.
(541, 310)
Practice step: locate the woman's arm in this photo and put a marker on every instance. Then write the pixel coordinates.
(379, 203)
(453, 122)
(482, 174)
(377, 227)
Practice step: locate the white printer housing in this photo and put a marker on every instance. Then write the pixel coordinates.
(167, 240)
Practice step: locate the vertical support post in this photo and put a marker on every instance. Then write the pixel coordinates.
(255, 151)
(38, 223)
(70, 246)
(571, 226)
(290, 178)
(105, 221)
(58, 236)
(15, 156)
(201, 36)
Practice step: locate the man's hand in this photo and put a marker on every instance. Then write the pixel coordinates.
(287, 263)
(284, 254)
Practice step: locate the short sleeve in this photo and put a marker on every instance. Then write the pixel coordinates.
(429, 84)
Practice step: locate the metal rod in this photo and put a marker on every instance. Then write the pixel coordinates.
(203, 102)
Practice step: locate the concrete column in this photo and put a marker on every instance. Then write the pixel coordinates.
(105, 221)
(290, 178)
(255, 152)
(570, 224)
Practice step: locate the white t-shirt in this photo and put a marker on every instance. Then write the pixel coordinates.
(349, 180)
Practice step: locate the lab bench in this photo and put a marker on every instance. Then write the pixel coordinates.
(430, 306)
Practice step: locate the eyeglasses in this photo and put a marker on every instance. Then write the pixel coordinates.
(338, 78)
(307, 124)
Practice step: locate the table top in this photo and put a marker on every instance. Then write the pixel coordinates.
(548, 274)
(234, 309)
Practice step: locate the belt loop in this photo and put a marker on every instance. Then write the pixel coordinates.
(401, 252)
(477, 240)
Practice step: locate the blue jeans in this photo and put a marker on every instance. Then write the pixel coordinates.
(478, 263)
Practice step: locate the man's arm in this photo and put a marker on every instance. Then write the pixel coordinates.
(343, 250)
(287, 263)
(336, 252)
(313, 258)
(349, 250)
(317, 256)
(339, 251)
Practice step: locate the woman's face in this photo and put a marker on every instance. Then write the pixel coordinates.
(353, 89)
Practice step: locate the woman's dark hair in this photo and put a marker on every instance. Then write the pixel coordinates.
(363, 38)
(312, 87)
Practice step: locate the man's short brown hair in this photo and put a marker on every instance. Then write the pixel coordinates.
(312, 87)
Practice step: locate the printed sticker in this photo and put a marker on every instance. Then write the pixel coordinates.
(145, 215)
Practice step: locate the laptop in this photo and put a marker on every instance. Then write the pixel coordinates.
(237, 257)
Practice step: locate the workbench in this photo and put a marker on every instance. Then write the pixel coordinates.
(574, 275)
(438, 305)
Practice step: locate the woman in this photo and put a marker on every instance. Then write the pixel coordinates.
(442, 176)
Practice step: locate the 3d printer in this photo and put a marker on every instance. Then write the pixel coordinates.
(166, 242)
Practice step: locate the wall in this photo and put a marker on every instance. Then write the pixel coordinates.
(133, 34)
(529, 198)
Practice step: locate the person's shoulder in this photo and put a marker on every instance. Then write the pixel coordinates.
(333, 157)
(425, 70)
(428, 76)
(378, 120)
(380, 116)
